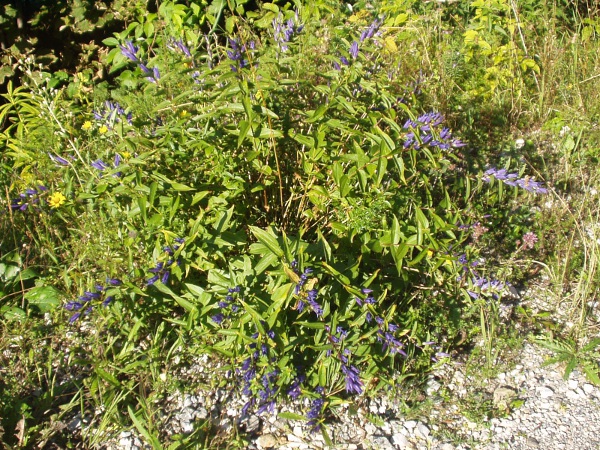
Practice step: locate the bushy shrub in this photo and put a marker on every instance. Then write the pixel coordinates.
(280, 189)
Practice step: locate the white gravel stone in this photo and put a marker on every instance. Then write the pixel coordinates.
(400, 441)
(410, 424)
(381, 443)
(545, 392)
(422, 431)
(266, 441)
(572, 395)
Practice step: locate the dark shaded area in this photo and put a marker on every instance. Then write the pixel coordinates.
(61, 35)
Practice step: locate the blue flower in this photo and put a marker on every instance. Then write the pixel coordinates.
(512, 179)
(354, 50)
(74, 317)
(236, 54)
(155, 76)
(99, 165)
(73, 306)
(178, 45)
(311, 298)
(353, 383)
(284, 32)
(114, 281)
(58, 160)
(370, 32)
(315, 413)
(218, 318)
(129, 51)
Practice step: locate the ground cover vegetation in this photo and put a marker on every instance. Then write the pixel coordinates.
(328, 199)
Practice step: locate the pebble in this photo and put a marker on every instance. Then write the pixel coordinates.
(400, 441)
(266, 441)
(545, 392)
(381, 443)
(410, 424)
(422, 431)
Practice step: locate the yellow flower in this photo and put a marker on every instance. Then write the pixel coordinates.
(183, 113)
(103, 129)
(86, 125)
(126, 155)
(56, 199)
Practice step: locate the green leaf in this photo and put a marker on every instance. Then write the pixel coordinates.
(107, 377)
(291, 416)
(181, 187)
(304, 140)
(569, 368)
(269, 240)
(153, 440)
(12, 313)
(267, 133)
(317, 114)
(326, 437)
(265, 262)
(313, 325)
(111, 42)
(343, 279)
(195, 290)
(591, 371)
(185, 304)
(271, 7)
(256, 318)
(45, 298)
(244, 127)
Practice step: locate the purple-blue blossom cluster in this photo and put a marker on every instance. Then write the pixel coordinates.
(111, 113)
(130, 52)
(351, 373)
(371, 30)
(484, 286)
(425, 130)
(101, 293)
(385, 335)
(295, 390)
(512, 179)
(259, 375)
(228, 307)
(284, 31)
(178, 46)
(315, 414)
(28, 199)
(238, 54)
(354, 385)
(58, 160)
(479, 284)
(102, 166)
(162, 271)
(305, 296)
(354, 49)
(369, 299)
(385, 332)
(84, 303)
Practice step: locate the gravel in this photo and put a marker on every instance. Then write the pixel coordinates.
(533, 406)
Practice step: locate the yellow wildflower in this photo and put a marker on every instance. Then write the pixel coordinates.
(183, 113)
(126, 155)
(56, 199)
(86, 125)
(103, 129)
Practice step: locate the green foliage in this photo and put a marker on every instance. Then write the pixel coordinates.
(569, 352)
(281, 199)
